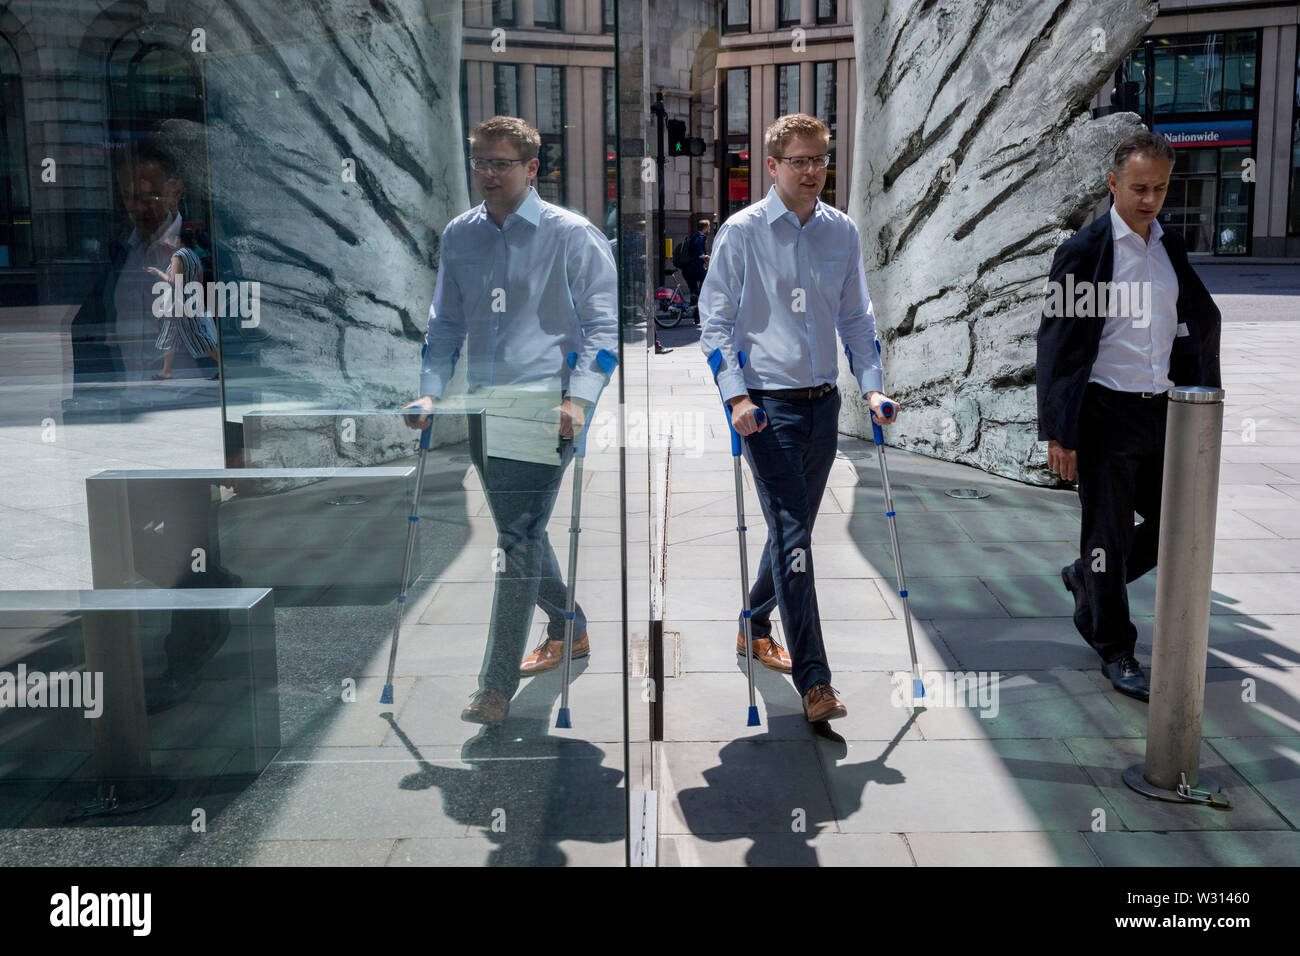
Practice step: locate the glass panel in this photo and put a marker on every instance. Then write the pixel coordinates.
(249, 263)
(15, 199)
(1231, 226)
(736, 90)
(550, 123)
(546, 13)
(1190, 203)
(824, 97)
(787, 89)
(826, 11)
(736, 16)
(789, 11)
(1293, 219)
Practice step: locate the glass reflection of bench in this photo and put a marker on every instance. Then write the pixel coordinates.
(133, 686)
(315, 535)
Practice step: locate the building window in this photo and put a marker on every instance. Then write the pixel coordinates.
(550, 123)
(505, 89)
(826, 12)
(546, 13)
(789, 12)
(824, 107)
(1200, 73)
(151, 82)
(607, 16)
(503, 13)
(1293, 219)
(735, 92)
(787, 89)
(611, 151)
(735, 16)
(15, 193)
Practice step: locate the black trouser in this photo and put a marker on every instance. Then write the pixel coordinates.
(693, 281)
(1120, 468)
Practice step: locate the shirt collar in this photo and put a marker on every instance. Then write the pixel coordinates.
(530, 211)
(774, 208)
(1119, 228)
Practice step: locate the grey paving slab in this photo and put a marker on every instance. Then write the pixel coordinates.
(1104, 761)
(961, 786)
(319, 853)
(712, 791)
(1043, 595)
(1284, 522)
(1018, 524)
(708, 598)
(935, 598)
(715, 706)
(1001, 849)
(1272, 767)
(824, 848)
(1263, 557)
(1039, 643)
(1053, 703)
(486, 848)
(882, 646)
(1190, 848)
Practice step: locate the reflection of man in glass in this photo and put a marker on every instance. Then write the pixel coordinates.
(115, 332)
(522, 283)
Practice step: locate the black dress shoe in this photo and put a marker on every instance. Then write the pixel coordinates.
(1126, 676)
(1073, 582)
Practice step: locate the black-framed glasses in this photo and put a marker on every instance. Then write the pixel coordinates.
(801, 164)
(478, 164)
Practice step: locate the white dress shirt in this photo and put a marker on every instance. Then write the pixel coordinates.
(1134, 353)
(778, 291)
(521, 297)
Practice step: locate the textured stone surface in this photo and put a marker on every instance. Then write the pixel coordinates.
(346, 259)
(976, 156)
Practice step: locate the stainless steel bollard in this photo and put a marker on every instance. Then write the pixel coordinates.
(1189, 503)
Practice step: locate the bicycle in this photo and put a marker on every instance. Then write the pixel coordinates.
(672, 302)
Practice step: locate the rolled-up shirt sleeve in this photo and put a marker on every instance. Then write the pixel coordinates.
(446, 331)
(593, 285)
(856, 323)
(719, 305)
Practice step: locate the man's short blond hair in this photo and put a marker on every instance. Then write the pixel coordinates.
(786, 128)
(523, 137)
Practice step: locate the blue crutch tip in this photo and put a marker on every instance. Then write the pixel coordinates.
(753, 717)
(918, 688)
(387, 696)
(562, 720)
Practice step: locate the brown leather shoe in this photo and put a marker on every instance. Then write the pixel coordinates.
(767, 652)
(488, 707)
(551, 654)
(820, 703)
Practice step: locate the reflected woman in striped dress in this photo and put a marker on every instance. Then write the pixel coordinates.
(197, 333)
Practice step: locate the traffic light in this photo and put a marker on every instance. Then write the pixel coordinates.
(695, 146)
(676, 138)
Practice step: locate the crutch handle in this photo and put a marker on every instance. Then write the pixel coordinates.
(426, 435)
(878, 436)
(607, 362)
(715, 363)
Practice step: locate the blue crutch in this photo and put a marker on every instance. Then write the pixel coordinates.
(386, 697)
(878, 436)
(607, 362)
(715, 363)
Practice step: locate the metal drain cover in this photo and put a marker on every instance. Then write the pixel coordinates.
(348, 500)
(966, 493)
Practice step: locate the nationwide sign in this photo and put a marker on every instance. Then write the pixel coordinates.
(1209, 133)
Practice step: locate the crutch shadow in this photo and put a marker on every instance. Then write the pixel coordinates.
(525, 790)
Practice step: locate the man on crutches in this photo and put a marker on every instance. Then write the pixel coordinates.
(784, 275)
(522, 285)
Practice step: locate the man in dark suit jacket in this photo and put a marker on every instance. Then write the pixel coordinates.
(1125, 320)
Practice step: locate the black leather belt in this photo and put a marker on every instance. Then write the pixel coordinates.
(1111, 391)
(796, 394)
